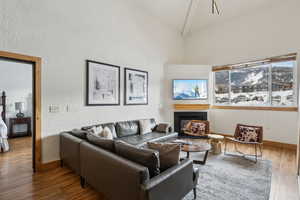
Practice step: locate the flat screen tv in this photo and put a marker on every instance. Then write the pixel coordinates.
(184, 89)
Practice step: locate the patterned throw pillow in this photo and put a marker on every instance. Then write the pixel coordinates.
(248, 134)
(198, 128)
(163, 128)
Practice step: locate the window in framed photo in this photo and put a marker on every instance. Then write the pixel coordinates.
(136, 87)
(103, 84)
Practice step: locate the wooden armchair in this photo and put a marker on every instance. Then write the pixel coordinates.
(250, 135)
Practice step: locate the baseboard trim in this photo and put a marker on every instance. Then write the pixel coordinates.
(49, 166)
(270, 143)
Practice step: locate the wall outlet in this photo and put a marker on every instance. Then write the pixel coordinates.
(53, 109)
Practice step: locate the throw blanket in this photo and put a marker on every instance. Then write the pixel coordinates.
(3, 136)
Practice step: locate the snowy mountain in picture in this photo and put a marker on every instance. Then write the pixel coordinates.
(254, 78)
(189, 89)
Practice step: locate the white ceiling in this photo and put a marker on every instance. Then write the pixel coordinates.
(172, 12)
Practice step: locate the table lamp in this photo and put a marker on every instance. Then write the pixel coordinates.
(19, 106)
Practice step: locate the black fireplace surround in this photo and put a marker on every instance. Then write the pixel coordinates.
(179, 116)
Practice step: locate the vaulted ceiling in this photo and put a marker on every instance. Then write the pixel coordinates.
(173, 12)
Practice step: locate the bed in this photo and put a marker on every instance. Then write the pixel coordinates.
(4, 146)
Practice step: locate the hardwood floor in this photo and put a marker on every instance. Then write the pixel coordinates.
(17, 181)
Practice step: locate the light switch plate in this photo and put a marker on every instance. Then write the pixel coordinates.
(53, 109)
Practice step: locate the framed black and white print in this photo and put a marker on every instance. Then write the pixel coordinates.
(103, 84)
(136, 87)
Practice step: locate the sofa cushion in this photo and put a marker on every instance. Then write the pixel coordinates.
(96, 130)
(145, 126)
(146, 157)
(127, 128)
(104, 143)
(106, 133)
(112, 128)
(169, 154)
(139, 140)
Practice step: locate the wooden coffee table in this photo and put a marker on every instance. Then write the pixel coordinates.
(197, 146)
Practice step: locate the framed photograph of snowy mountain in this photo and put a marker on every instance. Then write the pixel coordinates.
(184, 89)
(136, 87)
(103, 84)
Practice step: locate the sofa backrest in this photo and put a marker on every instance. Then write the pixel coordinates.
(124, 128)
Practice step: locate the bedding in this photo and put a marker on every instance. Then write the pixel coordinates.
(4, 146)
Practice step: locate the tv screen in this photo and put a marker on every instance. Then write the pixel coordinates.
(190, 89)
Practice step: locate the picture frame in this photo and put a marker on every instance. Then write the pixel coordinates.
(190, 89)
(135, 87)
(102, 84)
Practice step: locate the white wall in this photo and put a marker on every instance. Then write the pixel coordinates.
(173, 71)
(16, 81)
(65, 34)
(268, 32)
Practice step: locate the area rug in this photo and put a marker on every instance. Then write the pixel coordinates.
(233, 178)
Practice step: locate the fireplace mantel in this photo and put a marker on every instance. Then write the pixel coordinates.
(191, 106)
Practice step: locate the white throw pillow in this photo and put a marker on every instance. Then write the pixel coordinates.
(145, 126)
(106, 133)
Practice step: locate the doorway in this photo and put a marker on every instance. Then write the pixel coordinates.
(20, 109)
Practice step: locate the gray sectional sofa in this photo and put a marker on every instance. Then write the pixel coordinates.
(119, 178)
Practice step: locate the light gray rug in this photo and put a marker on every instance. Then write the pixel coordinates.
(233, 178)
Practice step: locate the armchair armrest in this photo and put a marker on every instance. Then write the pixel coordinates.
(174, 183)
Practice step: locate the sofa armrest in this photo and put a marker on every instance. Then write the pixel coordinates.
(69, 151)
(110, 174)
(174, 183)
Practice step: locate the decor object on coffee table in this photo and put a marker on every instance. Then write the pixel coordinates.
(103, 84)
(136, 87)
(249, 135)
(216, 143)
(197, 146)
(196, 128)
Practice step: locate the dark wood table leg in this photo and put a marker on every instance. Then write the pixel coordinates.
(201, 162)
(187, 154)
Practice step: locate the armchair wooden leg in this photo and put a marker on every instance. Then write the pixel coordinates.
(61, 163)
(255, 153)
(195, 192)
(260, 149)
(82, 182)
(225, 149)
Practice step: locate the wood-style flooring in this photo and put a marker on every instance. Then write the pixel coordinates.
(18, 182)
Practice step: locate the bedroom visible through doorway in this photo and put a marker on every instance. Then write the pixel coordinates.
(17, 122)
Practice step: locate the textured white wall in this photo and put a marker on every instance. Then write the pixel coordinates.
(267, 32)
(65, 34)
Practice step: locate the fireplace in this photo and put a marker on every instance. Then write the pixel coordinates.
(181, 119)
